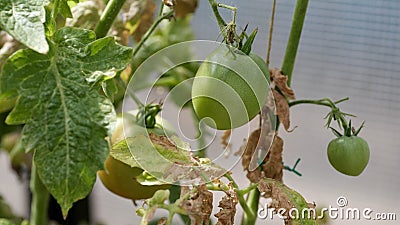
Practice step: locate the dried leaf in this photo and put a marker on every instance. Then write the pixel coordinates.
(138, 17)
(282, 109)
(8, 45)
(273, 166)
(225, 139)
(280, 82)
(184, 7)
(199, 205)
(86, 14)
(226, 215)
(286, 198)
(162, 221)
(249, 148)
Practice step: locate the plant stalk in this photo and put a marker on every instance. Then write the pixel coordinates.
(294, 39)
(221, 22)
(252, 201)
(150, 31)
(40, 199)
(107, 18)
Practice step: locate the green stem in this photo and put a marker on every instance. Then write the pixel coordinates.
(107, 18)
(40, 199)
(221, 22)
(54, 12)
(252, 201)
(160, 11)
(247, 189)
(294, 38)
(150, 31)
(323, 102)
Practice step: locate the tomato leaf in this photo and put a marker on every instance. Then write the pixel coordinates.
(66, 119)
(23, 19)
(284, 197)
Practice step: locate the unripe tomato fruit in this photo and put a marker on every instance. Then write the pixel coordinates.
(348, 155)
(230, 88)
(127, 127)
(119, 177)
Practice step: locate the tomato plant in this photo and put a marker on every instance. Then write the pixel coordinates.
(66, 66)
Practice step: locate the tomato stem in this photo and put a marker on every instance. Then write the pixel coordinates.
(107, 18)
(271, 30)
(40, 199)
(221, 22)
(294, 38)
(151, 30)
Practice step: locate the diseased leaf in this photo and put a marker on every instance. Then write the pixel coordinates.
(85, 14)
(226, 215)
(23, 19)
(170, 160)
(66, 119)
(284, 197)
(199, 205)
(225, 139)
(280, 81)
(138, 16)
(273, 166)
(8, 46)
(282, 109)
(184, 7)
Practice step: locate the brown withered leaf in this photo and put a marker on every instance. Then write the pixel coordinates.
(225, 138)
(184, 7)
(226, 215)
(286, 198)
(138, 16)
(8, 45)
(273, 167)
(282, 109)
(162, 221)
(249, 147)
(280, 82)
(199, 205)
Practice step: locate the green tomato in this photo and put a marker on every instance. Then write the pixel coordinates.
(128, 127)
(230, 88)
(120, 179)
(348, 155)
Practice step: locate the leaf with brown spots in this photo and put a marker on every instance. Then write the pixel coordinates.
(184, 7)
(286, 198)
(138, 16)
(225, 139)
(280, 82)
(282, 109)
(199, 206)
(226, 215)
(273, 166)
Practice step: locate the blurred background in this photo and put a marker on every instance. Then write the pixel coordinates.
(348, 49)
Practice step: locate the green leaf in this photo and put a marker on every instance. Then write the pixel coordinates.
(66, 118)
(65, 10)
(23, 19)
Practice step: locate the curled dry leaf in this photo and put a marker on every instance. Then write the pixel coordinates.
(225, 139)
(8, 45)
(273, 166)
(282, 109)
(138, 16)
(280, 82)
(226, 214)
(86, 14)
(286, 198)
(162, 221)
(183, 7)
(199, 205)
